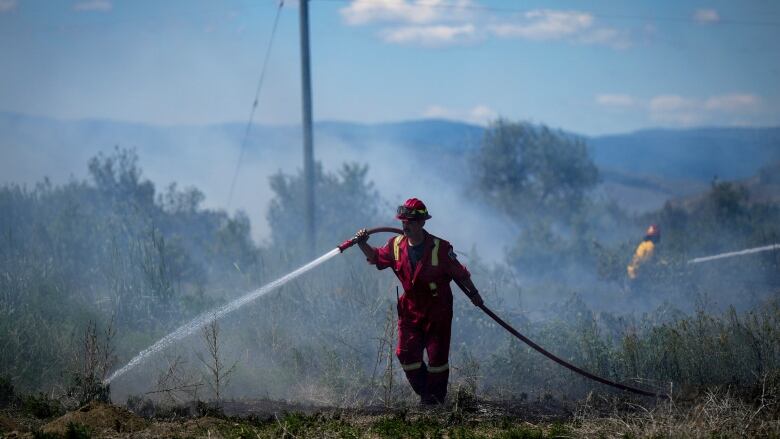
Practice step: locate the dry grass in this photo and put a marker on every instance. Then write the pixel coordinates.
(715, 414)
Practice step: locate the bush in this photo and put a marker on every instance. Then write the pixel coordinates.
(7, 392)
(41, 406)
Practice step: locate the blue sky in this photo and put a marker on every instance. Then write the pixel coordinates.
(590, 67)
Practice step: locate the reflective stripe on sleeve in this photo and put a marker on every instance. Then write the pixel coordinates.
(438, 369)
(435, 255)
(396, 247)
(411, 366)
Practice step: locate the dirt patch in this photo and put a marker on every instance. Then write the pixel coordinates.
(98, 417)
(267, 408)
(206, 427)
(7, 424)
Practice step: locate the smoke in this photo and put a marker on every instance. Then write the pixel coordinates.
(299, 342)
(205, 157)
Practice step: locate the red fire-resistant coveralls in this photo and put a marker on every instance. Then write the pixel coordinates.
(424, 310)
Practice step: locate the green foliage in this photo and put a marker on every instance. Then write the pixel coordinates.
(345, 201)
(37, 434)
(77, 431)
(7, 392)
(723, 220)
(297, 425)
(556, 431)
(540, 179)
(525, 169)
(696, 351)
(397, 427)
(41, 406)
(88, 249)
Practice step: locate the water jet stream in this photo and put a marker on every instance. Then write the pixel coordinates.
(738, 253)
(203, 319)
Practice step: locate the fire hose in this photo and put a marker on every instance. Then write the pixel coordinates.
(350, 242)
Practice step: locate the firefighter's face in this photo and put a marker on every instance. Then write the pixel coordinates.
(412, 227)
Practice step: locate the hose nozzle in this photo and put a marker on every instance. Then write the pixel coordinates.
(352, 241)
(347, 244)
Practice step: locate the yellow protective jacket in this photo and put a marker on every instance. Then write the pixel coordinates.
(642, 254)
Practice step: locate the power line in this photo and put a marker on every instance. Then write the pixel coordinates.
(254, 104)
(606, 16)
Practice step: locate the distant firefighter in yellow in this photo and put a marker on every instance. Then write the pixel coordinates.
(644, 251)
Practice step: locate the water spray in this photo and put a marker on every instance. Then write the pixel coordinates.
(207, 317)
(749, 251)
(203, 319)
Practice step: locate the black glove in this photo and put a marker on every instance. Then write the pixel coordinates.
(361, 236)
(476, 299)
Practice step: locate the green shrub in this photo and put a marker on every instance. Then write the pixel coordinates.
(41, 406)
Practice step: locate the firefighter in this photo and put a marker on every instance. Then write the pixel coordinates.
(425, 265)
(644, 251)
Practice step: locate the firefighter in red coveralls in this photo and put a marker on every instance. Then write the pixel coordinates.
(425, 265)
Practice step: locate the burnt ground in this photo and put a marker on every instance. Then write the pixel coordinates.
(464, 417)
(271, 418)
(543, 410)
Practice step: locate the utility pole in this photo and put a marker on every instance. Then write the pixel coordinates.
(308, 153)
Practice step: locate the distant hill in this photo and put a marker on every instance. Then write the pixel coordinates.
(763, 188)
(640, 170)
(692, 154)
(441, 135)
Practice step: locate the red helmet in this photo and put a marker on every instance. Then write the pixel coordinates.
(653, 231)
(412, 209)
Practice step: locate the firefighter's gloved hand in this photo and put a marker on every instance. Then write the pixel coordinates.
(361, 236)
(476, 299)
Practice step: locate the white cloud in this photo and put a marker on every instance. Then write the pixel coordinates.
(361, 12)
(429, 23)
(480, 114)
(434, 23)
(438, 112)
(670, 103)
(429, 36)
(606, 36)
(545, 25)
(615, 100)
(7, 5)
(724, 109)
(93, 5)
(551, 25)
(675, 110)
(732, 102)
(721, 109)
(706, 16)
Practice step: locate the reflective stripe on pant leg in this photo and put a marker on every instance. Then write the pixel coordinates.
(438, 369)
(411, 366)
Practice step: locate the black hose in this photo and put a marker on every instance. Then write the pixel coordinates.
(523, 338)
(560, 361)
(385, 229)
(352, 241)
